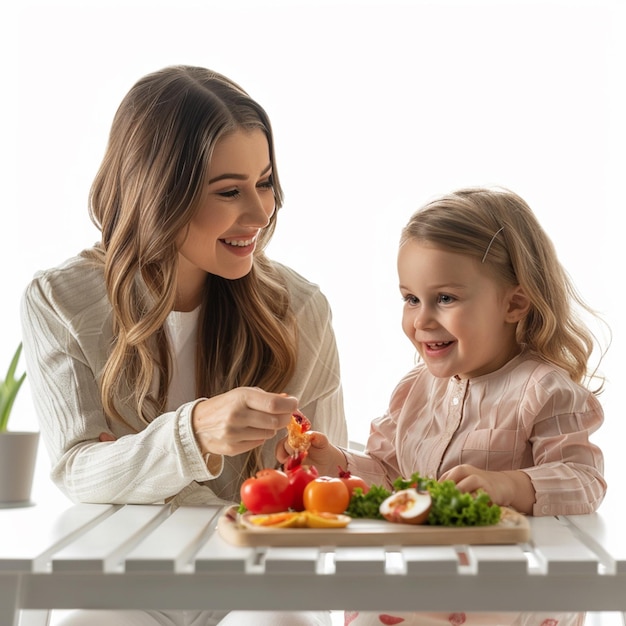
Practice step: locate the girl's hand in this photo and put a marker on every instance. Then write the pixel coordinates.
(321, 453)
(239, 420)
(510, 488)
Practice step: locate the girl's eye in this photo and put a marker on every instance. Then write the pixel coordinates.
(410, 300)
(445, 299)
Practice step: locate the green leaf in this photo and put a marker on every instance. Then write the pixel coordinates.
(9, 388)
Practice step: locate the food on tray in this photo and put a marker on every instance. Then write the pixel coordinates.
(303, 519)
(416, 500)
(267, 492)
(287, 519)
(352, 482)
(326, 495)
(299, 477)
(450, 507)
(408, 506)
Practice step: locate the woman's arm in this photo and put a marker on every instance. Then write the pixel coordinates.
(65, 331)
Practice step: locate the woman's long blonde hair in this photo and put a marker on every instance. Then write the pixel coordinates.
(145, 193)
(498, 228)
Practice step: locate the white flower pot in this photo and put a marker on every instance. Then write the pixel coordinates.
(18, 457)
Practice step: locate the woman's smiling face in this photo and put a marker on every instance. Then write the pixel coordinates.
(236, 204)
(461, 321)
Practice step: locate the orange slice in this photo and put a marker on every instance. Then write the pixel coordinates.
(327, 520)
(278, 520)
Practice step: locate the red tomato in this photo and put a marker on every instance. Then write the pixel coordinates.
(326, 495)
(268, 492)
(299, 478)
(352, 482)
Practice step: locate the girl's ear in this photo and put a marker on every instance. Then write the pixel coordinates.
(518, 305)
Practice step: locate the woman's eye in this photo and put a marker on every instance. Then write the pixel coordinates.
(266, 184)
(231, 193)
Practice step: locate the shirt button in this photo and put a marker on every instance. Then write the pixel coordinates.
(455, 401)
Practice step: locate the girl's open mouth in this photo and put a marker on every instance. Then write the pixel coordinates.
(438, 345)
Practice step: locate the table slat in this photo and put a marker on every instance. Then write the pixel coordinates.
(292, 560)
(366, 559)
(430, 560)
(216, 555)
(559, 549)
(170, 546)
(605, 535)
(27, 539)
(103, 546)
(498, 559)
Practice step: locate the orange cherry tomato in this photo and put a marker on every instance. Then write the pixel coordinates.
(326, 495)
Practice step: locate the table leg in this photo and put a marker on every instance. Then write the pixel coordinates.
(9, 594)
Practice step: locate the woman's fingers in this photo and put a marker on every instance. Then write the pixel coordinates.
(240, 420)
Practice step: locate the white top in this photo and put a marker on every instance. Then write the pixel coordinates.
(67, 332)
(181, 328)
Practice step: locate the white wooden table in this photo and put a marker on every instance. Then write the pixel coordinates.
(140, 557)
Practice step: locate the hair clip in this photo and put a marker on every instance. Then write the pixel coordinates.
(491, 242)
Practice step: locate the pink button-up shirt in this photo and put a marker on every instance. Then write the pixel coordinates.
(528, 415)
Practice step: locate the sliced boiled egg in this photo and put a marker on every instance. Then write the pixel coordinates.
(408, 506)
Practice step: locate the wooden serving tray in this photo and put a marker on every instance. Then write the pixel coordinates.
(512, 528)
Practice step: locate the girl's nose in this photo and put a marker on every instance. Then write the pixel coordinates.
(422, 318)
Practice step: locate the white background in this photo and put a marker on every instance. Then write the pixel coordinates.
(377, 107)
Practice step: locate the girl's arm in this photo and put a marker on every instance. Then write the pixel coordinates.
(508, 488)
(564, 477)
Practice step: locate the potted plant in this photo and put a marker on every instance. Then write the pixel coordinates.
(18, 449)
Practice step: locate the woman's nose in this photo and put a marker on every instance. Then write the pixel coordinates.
(258, 211)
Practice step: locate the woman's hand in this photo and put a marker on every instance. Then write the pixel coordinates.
(510, 488)
(321, 453)
(240, 420)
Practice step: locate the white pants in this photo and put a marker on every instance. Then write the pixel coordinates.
(367, 618)
(194, 618)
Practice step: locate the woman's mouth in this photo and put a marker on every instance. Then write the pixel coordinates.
(239, 246)
(239, 243)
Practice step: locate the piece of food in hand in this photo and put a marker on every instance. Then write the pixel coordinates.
(267, 492)
(326, 495)
(408, 506)
(352, 482)
(298, 436)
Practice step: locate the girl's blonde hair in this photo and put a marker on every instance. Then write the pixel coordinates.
(499, 229)
(145, 193)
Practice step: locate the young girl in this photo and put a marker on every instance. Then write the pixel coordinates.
(165, 361)
(499, 400)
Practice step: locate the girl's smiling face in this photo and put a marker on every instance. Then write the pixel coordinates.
(236, 204)
(460, 319)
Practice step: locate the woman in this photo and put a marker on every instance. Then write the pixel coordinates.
(165, 361)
